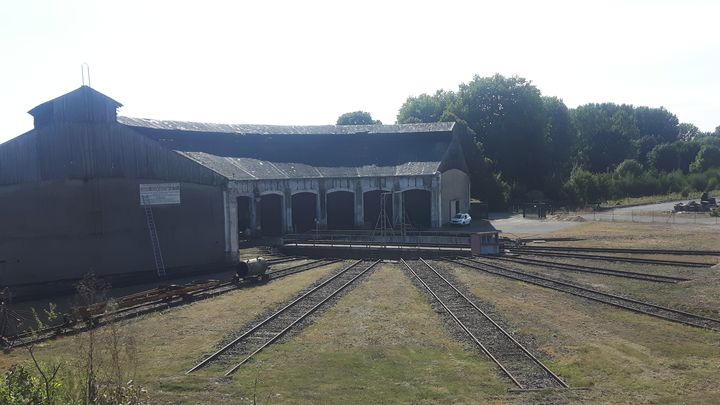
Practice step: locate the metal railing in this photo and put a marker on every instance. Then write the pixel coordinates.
(700, 218)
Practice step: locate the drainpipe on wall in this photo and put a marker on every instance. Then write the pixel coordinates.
(226, 210)
(439, 219)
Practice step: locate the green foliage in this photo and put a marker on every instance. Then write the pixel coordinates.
(688, 132)
(587, 187)
(629, 167)
(707, 158)
(644, 145)
(101, 371)
(560, 139)
(20, 387)
(610, 133)
(508, 118)
(357, 118)
(519, 143)
(657, 122)
(485, 183)
(425, 108)
(673, 156)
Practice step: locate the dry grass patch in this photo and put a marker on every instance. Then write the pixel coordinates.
(381, 343)
(624, 357)
(700, 295)
(170, 342)
(637, 235)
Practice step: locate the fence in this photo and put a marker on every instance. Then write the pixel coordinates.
(699, 218)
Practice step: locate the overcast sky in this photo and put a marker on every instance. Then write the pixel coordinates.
(307, 62)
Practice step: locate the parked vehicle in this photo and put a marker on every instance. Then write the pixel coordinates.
(705, 199)
(461, 219)
(692, 206)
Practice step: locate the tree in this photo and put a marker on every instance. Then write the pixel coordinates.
(657, 122)
(357, 118)
(518, 142)
(605, 134)
(707, 158)
(560, 136)
(687, 131)
(425, 108)
(644, 145)
(673, 156)
(508, 117)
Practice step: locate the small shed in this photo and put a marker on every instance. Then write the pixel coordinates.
(485, 243)
(537, 210)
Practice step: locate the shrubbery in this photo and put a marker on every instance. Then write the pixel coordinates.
(101, 370)
(586, 187)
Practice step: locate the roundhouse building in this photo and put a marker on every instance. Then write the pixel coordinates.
(76, 192)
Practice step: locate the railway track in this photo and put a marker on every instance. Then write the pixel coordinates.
(272, 328)
(123, 313)
(148, 306)
(677, 263)
(524, 369)
(288, 271)
(590, 269)
(278, 260)
(673, 252)
(630, 304)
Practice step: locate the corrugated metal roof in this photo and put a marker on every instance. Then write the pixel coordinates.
(244, 129)
(247, 152)
(251, 169)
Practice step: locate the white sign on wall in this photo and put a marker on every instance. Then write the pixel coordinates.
(160, 194)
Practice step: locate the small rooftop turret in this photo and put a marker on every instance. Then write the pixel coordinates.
(81, 105)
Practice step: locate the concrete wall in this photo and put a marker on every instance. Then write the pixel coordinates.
(62, 229)
(321, 187)
(455, 186)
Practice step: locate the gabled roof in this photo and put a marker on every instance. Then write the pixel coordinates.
(246, 152)
(80, 91)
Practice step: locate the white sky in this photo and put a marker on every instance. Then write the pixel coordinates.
(307, 62)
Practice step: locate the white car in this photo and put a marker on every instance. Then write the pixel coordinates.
(461, 219)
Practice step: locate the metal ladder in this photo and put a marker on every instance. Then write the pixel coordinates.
(157, 253)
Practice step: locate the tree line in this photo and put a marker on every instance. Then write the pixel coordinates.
(521, 145)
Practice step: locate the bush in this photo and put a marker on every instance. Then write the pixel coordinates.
(586, 187)
(708, 157)
(21, 387)
(101, 371)
(629, 167)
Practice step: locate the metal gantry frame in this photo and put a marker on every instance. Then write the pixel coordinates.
(385, 225)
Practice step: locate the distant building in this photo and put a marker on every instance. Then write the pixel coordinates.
(70, 199)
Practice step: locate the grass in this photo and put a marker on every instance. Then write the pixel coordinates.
(383, 343)
(171, 341)
(362, 350)
(623, 357)
(630, 201)
(698, 295)
(367, 350)
(641, 235)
